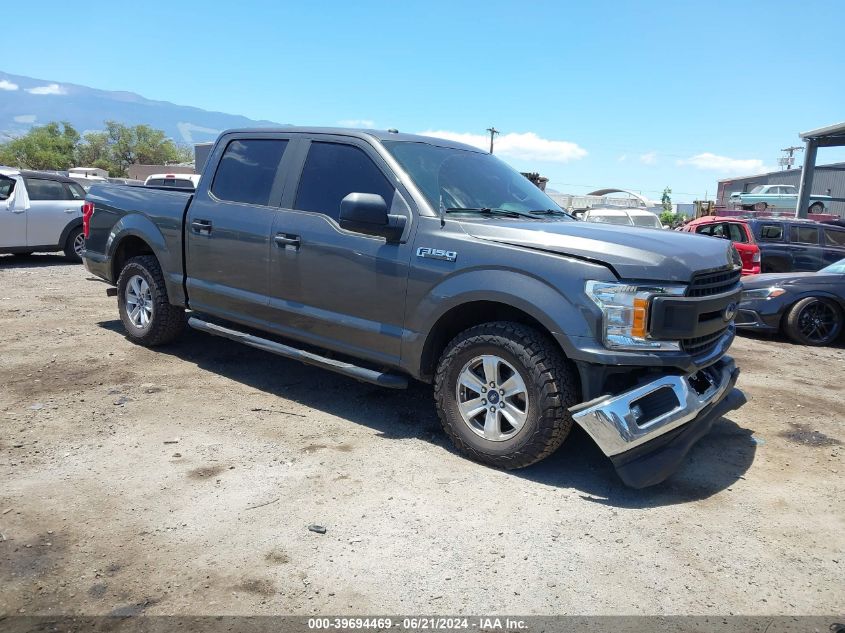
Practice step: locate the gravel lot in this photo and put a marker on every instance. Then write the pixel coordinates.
(183, 481)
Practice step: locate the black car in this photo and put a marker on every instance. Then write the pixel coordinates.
(808, 307)
(790, 244)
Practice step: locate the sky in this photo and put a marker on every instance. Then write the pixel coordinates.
(634, 95)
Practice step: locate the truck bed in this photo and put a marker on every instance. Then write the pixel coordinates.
(157, 214)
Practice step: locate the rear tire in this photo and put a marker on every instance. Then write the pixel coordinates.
(144, 308)
(760, 206)
(814, 321)
(816, 207)
(75, 245)
(520, 419)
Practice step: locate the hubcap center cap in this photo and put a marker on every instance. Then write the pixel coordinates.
(493, 397)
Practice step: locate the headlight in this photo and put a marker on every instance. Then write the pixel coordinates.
(762, 293)
(625, 309)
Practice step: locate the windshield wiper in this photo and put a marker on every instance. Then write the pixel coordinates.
(508, 213)
(550, 212)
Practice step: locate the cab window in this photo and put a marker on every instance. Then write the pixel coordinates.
(7, 186)
(334, 170)
(248, 170)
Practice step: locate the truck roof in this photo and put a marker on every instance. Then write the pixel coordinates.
(380, 135)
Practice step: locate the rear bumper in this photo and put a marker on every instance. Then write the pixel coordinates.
(648, 430)
(99, 265)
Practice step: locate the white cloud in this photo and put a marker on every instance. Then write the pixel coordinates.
(25, 118)
(526, 145)
(363, 123)
(622, 158)
(7, 85)
(49, 89)
(724, 164)
(649, 158)
(186, 130)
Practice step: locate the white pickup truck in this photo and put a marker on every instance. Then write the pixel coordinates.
(40, 212)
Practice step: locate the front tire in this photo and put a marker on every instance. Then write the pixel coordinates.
(144, 308)
(760, 206)
(75, 245)
(814, 321)
(502, 391)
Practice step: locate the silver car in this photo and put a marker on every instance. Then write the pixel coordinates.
(40, 212)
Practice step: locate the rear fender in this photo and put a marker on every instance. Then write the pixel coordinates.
(170, 259)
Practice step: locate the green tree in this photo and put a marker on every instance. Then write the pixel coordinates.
(666, 199)
(51, 146)
(119, 146)
(667, 218)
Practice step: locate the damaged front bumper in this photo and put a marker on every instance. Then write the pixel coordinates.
(648, 430)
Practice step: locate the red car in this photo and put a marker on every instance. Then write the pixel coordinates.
(732, 229)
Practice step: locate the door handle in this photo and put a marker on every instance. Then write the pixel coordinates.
(284, 240)
(201, 226)
(71, 210)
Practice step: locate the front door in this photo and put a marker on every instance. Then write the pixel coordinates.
(331, 287)
(227, 231)
(12, 216)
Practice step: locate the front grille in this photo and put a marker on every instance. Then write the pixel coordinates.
(714, 283)
(701, 344)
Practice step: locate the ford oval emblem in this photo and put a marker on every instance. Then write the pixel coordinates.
(730, 311)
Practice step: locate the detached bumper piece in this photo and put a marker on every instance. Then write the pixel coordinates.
(648, 430)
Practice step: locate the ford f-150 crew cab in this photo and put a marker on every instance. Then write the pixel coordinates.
(385, 256)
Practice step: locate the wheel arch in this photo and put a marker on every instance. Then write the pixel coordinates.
(136, 235)
(73, 224)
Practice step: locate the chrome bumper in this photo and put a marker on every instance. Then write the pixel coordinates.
(619, 423)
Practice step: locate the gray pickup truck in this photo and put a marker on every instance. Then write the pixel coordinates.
(387, 256)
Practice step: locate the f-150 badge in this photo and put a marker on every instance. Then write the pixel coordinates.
(437, 253)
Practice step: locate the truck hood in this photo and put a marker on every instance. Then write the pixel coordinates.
(633, 253)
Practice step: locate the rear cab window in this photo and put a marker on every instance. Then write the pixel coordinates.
(248, 171)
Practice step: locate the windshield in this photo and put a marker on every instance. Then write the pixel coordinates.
(649, 221)
(467, 180)
(610, 219)
(836, 267)
(757, 189)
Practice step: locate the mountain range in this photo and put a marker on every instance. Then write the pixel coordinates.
(26, 102)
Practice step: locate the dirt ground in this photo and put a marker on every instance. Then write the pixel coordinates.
(183, 481)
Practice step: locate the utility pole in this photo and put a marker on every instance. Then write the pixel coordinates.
(493, 131)
(787, 161)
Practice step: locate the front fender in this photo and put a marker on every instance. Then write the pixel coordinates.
(169, 258)
(551, 307)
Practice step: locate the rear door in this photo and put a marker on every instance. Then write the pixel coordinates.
(834, 244)
(807, 253)
(332, 287)
(53, 205)
(227, 231)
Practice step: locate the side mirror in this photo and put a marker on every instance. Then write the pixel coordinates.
(367, 213)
